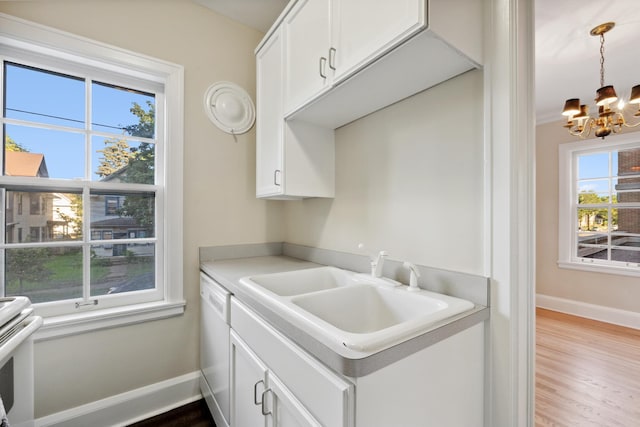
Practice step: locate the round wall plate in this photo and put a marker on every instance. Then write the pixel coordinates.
(229, 107)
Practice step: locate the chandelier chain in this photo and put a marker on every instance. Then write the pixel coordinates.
(602, 60)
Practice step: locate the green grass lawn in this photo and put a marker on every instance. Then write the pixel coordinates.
(61, 275)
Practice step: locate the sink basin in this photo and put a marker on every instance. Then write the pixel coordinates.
(303, 281)
(349, 310)
(364, 309)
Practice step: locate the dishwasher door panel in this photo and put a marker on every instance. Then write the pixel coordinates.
(214, 343)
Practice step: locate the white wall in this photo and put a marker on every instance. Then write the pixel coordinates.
(219, 189)
(610, 290)
(409, 180)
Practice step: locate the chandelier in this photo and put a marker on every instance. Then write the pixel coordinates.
(579, 123)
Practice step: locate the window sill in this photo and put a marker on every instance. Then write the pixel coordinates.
(73, 324)
(599, 268)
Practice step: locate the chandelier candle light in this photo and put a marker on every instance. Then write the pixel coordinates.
(579, 123)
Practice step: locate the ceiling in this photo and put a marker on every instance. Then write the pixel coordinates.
(567, 57)
(258, 14)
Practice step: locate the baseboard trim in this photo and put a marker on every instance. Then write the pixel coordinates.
(129, 407)
(629, 319)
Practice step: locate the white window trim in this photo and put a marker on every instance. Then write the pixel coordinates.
(41, 40)
(567, 197)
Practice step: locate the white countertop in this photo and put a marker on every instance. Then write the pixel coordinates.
(228, 272)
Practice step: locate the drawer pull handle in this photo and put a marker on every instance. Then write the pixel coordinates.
(255, 393)
(276, 175)
(262, 407)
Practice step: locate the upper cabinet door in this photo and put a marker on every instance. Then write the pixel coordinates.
(269, 121)
(363, 30)
(307, 35)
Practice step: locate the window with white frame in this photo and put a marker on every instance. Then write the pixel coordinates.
(600, 205)
(84, 163)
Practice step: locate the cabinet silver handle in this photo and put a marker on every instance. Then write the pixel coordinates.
(255, 393)
(332, 58)
(276, 173)
(323, 63)
(264, 412)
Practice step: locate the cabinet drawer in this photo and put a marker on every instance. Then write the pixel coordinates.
(328, 397)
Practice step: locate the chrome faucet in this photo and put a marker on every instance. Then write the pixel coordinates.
(377, 263)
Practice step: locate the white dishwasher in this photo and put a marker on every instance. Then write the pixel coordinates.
(214, 348)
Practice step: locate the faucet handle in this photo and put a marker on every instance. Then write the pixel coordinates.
(414, 273)
(377, 263)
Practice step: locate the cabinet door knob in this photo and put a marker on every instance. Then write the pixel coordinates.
(323, 64)
(276, 174)
(332, 58)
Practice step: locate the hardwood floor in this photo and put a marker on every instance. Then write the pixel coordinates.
(194, 414)
(587, 372)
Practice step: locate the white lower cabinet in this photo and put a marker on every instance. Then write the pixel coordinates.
(248, 382)
(281, 380)
(276, 383)
(259, 397)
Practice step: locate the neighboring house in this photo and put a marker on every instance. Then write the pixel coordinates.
(29, 215)
(65, 221)
(107, 222)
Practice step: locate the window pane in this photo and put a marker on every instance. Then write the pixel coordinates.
(593, 192)
(593, 238)
(625, 240)
(628, 162)
(585, 251)
(36, 95)
(593, 166)
(121, 268)
(623, 255)
(120, 160)
(122, 216)
(627, 220)
(122, 110)
(42, 216)
(44, 274)
(43, 153)
(593, 219)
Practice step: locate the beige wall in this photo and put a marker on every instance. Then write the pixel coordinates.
(409, 180)
(609, 290)
(219, 189)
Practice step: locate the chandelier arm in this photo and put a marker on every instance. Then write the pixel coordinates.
(630, 126)
(588, 126)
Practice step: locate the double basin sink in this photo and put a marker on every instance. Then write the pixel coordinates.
(351, 310)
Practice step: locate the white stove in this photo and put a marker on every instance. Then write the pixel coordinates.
(17, 325)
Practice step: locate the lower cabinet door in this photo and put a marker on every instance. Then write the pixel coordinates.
(258, 397)
(248, 386)
(287, 410)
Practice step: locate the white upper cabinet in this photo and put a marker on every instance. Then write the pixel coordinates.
(307, 40)
(363, 30)
(329, 62)
(379, 52)
(328, 40)
(269, 122)
(293, 159)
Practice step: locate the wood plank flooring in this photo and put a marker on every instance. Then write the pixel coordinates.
(194, 414)
(587, 372)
